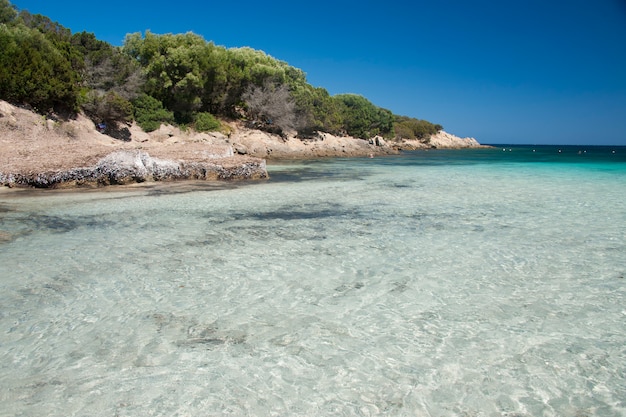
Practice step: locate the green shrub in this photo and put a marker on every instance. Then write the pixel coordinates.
(109, 107)
(363, 119)
(411, 128)
(150, 114)
(206, 122)
(33, 71)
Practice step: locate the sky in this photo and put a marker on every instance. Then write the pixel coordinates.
(525, 72)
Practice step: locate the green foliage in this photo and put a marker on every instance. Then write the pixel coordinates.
(109, 108)
(107, 68)
(175, 78)
(189, 74)
(411, 128)
(150, 114)
(206, 122)
(52, 30)
(363, 119)
(8, 12)
(316, 110)
(174, 66)
(33, 71)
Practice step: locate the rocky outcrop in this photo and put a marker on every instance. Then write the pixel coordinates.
(441, 140)
(270, 146)
(445, 140)
(131, 166)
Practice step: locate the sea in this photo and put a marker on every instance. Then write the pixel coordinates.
(482, 282)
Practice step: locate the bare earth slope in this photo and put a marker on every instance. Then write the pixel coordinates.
(40, 152)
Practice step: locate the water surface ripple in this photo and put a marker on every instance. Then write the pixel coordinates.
(404, 286)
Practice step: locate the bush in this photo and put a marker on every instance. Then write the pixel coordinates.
(150, 114)
(33, 71)
(109, 107)
(206, 122)
(411, 128)
(363, 119)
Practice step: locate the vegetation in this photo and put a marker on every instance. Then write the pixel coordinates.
(36, 70)
(206, 122)
(150, 113)
(362, 118)
(175, 78)
(270, 107)
(410, 128)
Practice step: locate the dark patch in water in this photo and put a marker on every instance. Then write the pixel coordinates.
(59, 224)
(402, 185)
(26, 224)
(297, 213)
(53, 223)
(200, 341)
(188, 332)
(400, 286)
(347, 287)
(315, 173)
(192, 187)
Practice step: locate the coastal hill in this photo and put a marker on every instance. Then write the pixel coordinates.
(79, 111)
(47, 152)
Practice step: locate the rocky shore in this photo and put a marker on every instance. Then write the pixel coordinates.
(48, 152)
(128, 166)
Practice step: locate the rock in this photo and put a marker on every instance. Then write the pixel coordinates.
(240, 149)
(123, 167)
(132, 166)
(441, 140)
(445, 140)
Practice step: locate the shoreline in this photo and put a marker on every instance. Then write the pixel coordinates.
(41, 152)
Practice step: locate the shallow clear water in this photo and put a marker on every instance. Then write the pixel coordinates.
(483, 282)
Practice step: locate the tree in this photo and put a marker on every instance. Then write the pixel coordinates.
(109, 107)
(270, 107)
(106, 68)
(363, 119)
(33, 71)
(174, 66)
(8, 12)
(316, 110)
(411, 128)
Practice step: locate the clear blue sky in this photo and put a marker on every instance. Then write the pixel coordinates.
(534, 71)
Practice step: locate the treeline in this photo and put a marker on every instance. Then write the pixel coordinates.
(175, 78)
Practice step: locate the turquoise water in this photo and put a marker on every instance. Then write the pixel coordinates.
(441, 283)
